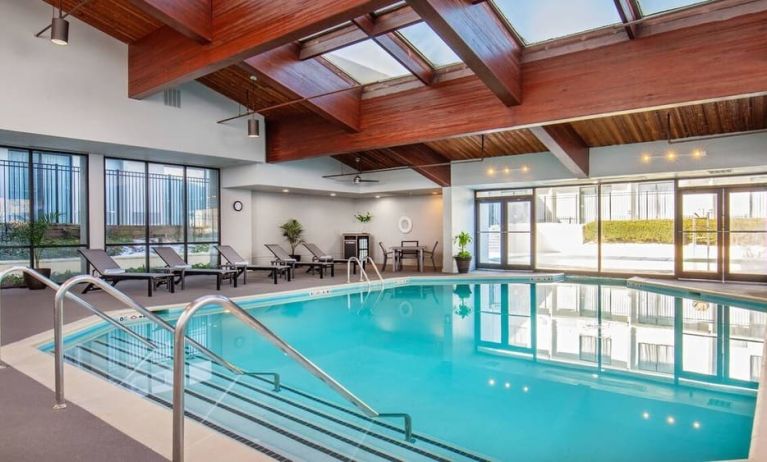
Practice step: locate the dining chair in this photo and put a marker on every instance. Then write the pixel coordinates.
(386, 254)
(431, 254)
(405, 254)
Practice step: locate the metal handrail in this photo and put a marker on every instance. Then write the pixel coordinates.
(63, 291)
(179, 368)
(72, 297)
(375, 267)
(363, 274)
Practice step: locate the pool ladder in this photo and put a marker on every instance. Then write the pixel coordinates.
(363, 273)
(235, 309)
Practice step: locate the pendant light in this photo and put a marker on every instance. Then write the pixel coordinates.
(253, 125)
(59, 28)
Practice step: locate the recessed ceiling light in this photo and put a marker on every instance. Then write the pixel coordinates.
(378, 197)
(332, 194)
(286, 190)
(253, 78)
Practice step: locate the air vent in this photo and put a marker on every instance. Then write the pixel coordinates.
(721, 171)
(172, 97)
(719, 403)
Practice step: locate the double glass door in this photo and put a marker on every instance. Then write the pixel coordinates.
(722, 233)
(505, 237)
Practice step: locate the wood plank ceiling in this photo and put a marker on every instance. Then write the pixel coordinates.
(123, 21)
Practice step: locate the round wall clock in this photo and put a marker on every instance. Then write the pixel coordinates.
(237, 206)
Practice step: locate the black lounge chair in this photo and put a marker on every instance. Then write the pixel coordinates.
(110, 271)
(431, 253)
(181, 269)
(319, 256)
(283, 257)
(242, 266)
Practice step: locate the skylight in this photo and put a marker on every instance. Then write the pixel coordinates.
(541, 20)
(649, 7)
(366, 62)
(428, 43)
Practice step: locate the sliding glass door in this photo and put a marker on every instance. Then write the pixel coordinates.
(723, 233)
(505, 231)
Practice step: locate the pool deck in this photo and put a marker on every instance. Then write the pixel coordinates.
(76, 434)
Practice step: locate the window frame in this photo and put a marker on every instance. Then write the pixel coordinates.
(31, 200)
(146, 244)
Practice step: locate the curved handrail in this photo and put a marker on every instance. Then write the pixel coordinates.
(63, 291)
(179, 367)
(73, 298)
(375, 267)
(363, 274)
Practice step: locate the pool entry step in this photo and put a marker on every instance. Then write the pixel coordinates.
(289, 425)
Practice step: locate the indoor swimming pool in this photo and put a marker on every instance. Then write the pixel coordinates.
(501, 370)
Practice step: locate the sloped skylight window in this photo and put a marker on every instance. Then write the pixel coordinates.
(428, 43)
(649, 7)
(366, 62)
(541, 20)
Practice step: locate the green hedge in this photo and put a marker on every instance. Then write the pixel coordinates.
(662, 231)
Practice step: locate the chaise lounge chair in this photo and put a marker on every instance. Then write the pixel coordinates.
(181, 269)
(110, 271)
(283, 257)
(242, 266)
(319, 256)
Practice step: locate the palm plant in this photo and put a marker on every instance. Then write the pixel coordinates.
(292, 231)
(35, 232)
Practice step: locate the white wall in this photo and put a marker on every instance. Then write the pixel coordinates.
(237, 227)
(75, 97)
(458, 216)
(326, 218)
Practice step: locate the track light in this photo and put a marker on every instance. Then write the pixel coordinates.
(253, 128)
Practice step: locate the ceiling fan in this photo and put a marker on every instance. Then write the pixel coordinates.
(357, 175)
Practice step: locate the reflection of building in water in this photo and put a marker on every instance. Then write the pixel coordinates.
(614, 328)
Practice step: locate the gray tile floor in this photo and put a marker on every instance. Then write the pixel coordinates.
(31, 431)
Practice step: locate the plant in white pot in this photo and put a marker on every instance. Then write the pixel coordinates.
(292, 231)
(463, 257)
(36, 234)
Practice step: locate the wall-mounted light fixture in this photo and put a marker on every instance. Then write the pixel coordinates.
(672, 155)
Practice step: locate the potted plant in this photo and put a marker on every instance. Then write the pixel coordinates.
(363, 219)
(463, 257)
(35, 233)
(292, 231)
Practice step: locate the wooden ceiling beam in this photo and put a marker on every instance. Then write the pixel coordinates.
(475, 33)
(718, 60)
(241, 29)
(281, 69)
(407, 56)
(563, 141)
(192, 18)
(628, 12)
(416, 156)
(364, 27)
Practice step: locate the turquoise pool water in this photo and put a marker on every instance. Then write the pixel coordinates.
(488, 370)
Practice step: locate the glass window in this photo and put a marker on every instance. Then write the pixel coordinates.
(566, 236)
(428, 43)
(366, 62)
(181, 210)
(202, 194)
(747, 331)
(649, 7)
(747, 212)
(166, 203)
(723, 181)
(638, 227)
(490, 233)
(37, 186)
(541, 20)
(699, 337)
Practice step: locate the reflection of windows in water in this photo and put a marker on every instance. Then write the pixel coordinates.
(587, 350)
(655, 309)
(656, 358)
(756, 367)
